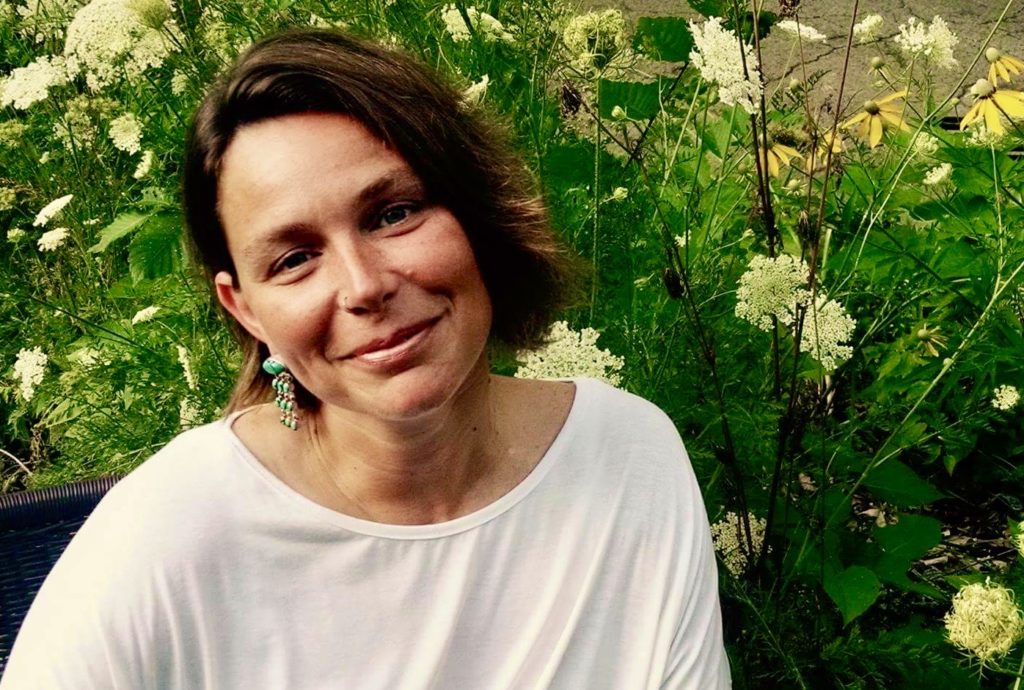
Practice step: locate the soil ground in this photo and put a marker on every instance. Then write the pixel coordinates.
(970, 21)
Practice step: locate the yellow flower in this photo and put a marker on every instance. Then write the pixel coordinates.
(990, 102)
(875, 115)
(825, 142)
(1002, 66)
(778, 157)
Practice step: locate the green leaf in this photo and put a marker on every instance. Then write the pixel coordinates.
(903, 543)
(638, 100)
(156, 250)
(663, 38)
(853, 590)
(124, 224)
(896, 483)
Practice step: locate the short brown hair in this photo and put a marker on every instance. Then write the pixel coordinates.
(464, 159)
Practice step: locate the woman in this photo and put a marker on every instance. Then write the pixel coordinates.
(415, 521)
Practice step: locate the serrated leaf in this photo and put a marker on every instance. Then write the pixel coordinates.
(124, 224)
(156, 250)
(663, 38)
(896, 483)
(853, 591)
(640, 101)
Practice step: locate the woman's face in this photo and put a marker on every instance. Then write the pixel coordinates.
(368, 293)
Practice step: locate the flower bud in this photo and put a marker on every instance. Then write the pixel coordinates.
(795, 84)
(993, 54)
(982, 88)
(954, 101)
(618, 113)
(877, 62)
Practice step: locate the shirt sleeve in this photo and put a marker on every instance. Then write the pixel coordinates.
(697, 658)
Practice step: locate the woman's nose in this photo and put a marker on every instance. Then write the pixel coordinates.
(366, 282)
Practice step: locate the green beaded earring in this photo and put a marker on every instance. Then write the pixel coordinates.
(284, 386)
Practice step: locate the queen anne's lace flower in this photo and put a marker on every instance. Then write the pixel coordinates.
(569, 353)
(7, 198)
(595, 38)
(1005, 397)
(144, 315)
(115, 39)
(925, 144)
(938, 174)
(475, 92)
(825, 330)
(51, 210)
(729, 538)
(15, 235)
(40, 20)
(186, 366)
(486, 27)
(801, 30)
(52, 240)
(32, 83)
(772, 287)
(866, 30)
(11, 133)
(76, 128)
(30, 368)
(985, 620)
(126, 133)
(716, 55)
(933, 42)
(145, 164)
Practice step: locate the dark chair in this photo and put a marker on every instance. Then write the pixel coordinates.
(35, 527)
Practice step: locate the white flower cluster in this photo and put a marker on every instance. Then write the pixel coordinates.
(476, 91)
(730, 541)
(486, 27)
(12, 132)
(938, 174)
(126, 133)
(15, 235)
(772, 287)
(983, 137)
(866, 30)
(115, 39)
(145, 164)
(52, 240)
(985, 620)
(41, 20)
(933, 42)
(8, 196)
(717, 57)
(86, 357)
(1005, 397)
(801, 31)
(189, 414)
(569, 353)
(51, 210)
(186, 366)
(778, 287)
(825, 328)
(144, 315)
(30, 368)
(32, 83)
(925, 145)
(595, 38)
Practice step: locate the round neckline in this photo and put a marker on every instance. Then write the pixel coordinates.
(323, 514)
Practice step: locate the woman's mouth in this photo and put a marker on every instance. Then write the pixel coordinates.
(398, 345)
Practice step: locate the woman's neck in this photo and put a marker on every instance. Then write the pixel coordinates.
(432, 468)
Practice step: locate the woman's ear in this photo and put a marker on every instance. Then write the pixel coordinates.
(232, 299)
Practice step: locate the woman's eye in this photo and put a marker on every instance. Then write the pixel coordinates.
(293, 260)
(393, 215)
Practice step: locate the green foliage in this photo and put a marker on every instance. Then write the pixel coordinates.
(883, 482)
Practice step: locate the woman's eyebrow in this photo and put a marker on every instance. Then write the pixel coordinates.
(398, 181)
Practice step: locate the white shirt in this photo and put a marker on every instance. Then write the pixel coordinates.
(203, 570)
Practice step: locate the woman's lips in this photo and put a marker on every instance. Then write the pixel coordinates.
(396, 345)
